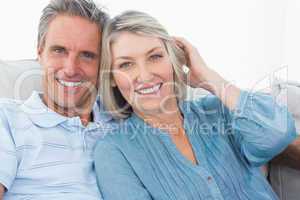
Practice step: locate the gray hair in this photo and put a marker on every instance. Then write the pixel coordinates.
(143, 24)
(86, 9)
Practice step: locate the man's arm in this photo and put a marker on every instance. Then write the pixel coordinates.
(2, 190)
(290, 156)
(8, 155)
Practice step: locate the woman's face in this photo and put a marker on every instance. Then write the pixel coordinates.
(143, 72)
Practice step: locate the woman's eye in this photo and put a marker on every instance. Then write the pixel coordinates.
(156, 57)
(125, 65)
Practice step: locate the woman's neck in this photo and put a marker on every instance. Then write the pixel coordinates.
(168, 120)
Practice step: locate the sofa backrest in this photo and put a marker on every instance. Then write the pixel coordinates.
(288, 93)
(19, 78)
(285, 180)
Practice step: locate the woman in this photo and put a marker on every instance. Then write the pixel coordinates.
(168, 148)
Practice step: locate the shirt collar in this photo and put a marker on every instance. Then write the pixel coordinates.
(99, 112)
(43, 116)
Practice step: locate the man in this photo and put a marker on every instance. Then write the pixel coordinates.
(46, 142)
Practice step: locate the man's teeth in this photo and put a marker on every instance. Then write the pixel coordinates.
(150, 90)
(70, 84)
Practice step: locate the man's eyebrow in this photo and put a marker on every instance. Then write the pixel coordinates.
(147, 53)
(56, 46)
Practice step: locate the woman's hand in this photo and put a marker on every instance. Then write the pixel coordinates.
(201, 76)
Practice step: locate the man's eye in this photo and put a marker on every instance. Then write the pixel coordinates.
(125, 65)
(155, 57)
(88, 55)
(59, 50)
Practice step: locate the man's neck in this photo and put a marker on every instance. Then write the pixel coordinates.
(84, 112)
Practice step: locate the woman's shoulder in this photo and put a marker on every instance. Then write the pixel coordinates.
(119, 137)
(208, 104)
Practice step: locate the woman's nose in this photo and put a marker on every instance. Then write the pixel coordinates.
(145, 73)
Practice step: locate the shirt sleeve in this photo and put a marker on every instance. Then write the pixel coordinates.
(116, 178)
(261, 128)
(8, 166)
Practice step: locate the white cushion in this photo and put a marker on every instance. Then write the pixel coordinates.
(19, 78)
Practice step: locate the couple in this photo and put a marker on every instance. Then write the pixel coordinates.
(156, 144)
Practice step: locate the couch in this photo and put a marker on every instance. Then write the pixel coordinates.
(285, 180)
(19, 78)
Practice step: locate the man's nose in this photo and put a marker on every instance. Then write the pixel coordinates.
(71, 65)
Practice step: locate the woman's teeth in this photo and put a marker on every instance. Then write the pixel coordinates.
(153, 89)
(70, 84)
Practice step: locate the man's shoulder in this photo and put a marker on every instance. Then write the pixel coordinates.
(11, 111)
(10, 105)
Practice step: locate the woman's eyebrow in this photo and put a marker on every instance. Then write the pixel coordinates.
(153, 49)
(147, 53)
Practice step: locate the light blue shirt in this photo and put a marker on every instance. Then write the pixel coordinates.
(45, 155)
(139, 162)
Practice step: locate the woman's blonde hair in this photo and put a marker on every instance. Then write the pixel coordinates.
(143, 24)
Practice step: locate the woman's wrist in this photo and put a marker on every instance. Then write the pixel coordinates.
(218, 86)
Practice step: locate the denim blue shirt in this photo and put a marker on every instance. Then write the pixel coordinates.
(139, 162)
(45, 155)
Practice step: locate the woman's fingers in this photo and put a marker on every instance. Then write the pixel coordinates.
(183, 43)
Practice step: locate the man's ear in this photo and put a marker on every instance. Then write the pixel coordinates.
(39, 53)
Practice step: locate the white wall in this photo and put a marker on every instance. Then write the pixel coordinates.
(291, 53)
(244, 40)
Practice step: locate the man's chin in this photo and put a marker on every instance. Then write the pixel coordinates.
(68, 103)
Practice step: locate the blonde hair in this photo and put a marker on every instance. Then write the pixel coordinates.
(143, 24)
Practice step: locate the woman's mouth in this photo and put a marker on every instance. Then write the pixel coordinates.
(149, 90)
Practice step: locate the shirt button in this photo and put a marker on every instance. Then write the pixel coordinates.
(214, 129)
(238, 111)
(209, 178)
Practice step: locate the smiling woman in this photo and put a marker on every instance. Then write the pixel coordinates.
(141, 71)
(145, 74)
(168, 148)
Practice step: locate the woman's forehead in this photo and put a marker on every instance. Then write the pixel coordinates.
(131, 43)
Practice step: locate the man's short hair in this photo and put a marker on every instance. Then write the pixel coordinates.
(86, 9)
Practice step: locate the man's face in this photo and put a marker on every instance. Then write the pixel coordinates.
(70, 58)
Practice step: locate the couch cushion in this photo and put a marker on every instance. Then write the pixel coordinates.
(284, 180)
(19, 78)
(288, 93)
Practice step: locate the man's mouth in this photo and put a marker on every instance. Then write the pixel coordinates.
(149, 90)
(70, 83)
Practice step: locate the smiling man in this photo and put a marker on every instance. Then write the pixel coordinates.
(70, 57)
(46, 142)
